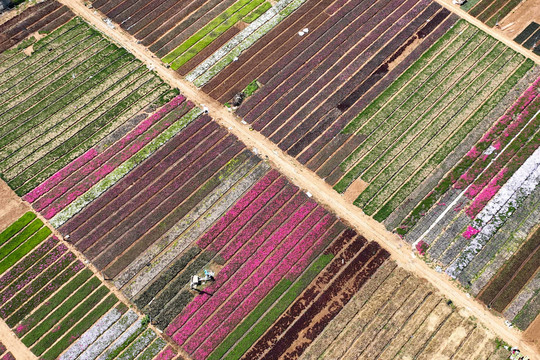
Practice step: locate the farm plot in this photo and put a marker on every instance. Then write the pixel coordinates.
(184, 34)
(57, 307)
(476, 222)
(397, 316)
(73, 90)
(303, 101)
(178, 195)
(419, 122)
(530, 37)
(4, 354)
(41, 18)
(490, 11)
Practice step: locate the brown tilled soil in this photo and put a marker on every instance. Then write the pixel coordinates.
(355, 189)
(11, 206)
(520, 17)
(532, 334)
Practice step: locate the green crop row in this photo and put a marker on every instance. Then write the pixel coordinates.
(24, 249)
(254, 15)
(438, 127)
(210, 37)
(16, 227)
(209, 28)
(52, 120)
(51, 320)
(15, 241)
(80, 328)
(266, 320)
(50, 305)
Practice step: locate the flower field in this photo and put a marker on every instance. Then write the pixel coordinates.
(490, 11)
(478, 222)
(422, 120)
(68, 92)
(313, 84)
(530, 37)
(57, 307)
(177, 195)
(5, 354)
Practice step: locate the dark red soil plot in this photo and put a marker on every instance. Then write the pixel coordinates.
(305, 319)
(45, 16)
(313, 85)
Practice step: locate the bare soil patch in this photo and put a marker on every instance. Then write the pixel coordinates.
(12, 206)
(520, 17)
(532, 334)
(355, 189)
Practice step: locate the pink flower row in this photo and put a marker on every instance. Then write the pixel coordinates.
(166, 354)
(247, 214)
(308, 254)
(257, 225)
(470, 232)
(60, 175)
(110, 159)
(259, 263)
(23, 265)
(258, 244)
(254, 293)
(225, 220)
(91, 153)
(500, 134)
(33, 272)
(487, 194)
(507, 135)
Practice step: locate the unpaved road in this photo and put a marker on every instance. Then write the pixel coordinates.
(503, 36)
(308, 181)
(520, 17)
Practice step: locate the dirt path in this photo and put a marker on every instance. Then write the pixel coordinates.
(309, 181)
(503, 36)
(520, 17)
(13, 344)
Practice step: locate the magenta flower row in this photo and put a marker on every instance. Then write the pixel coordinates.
(253, 292)
(166, 354)
(260, 245)
(470, 232)
(60, 175)
(102, 165)
(249, 212)
(225, 220)
(251, 267)
(92, 153)
(499, 134)
(256, 225)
